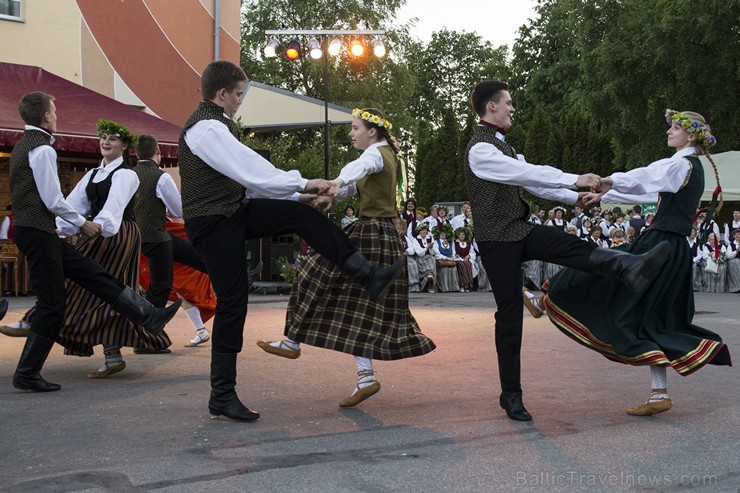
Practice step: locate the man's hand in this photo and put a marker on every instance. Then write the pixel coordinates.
(335, 185)
(589, 180)
(323, 203)
(90, 229)
(605, 184)
(579, 202)
(317, 186)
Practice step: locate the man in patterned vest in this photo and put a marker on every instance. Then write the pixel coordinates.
(228, 196)
(37, 198)
(496, 179)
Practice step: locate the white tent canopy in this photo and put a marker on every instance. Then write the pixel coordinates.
(728, 165)
(268, 109)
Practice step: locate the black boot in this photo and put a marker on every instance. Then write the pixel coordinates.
(223, 399)
(634, 271)
(374, 278)
(141, 312)
(3, 308)
(27, 376)
(511, 402)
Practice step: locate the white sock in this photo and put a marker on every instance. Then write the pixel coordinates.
(365, 376)
(193, 314)
(112, 357)
(289, 343)
(21, 325)
(658, 376)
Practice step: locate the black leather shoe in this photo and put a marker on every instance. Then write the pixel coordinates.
(141, 350)
(511, 402)
(230, 406)
(3, 308)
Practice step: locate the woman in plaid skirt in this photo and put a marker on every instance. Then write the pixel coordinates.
(326, 309)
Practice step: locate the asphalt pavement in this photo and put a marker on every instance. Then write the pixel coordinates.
(435, 426)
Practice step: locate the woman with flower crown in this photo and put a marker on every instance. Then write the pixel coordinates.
(653, 328)
(326, 309)
(106, 195)
(444, 253)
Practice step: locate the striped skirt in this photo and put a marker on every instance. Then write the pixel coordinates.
(326, 309)
(88, 320)
(465, 273)
(716, 283)
(733, 275)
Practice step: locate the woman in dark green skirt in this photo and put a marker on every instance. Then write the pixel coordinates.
(655, 327)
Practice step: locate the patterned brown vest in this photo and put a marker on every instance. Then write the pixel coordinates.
(205, 191)
(28, 208)
(150, 211)
(378, 191)
(499, 211)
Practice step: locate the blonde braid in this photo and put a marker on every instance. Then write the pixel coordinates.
(705, 151)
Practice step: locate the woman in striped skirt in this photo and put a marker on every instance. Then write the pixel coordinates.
(326, 309)
(106, 195)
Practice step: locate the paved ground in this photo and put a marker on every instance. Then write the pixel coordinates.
(434, 426)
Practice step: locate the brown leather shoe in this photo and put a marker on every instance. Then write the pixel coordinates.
(281, 350)
(533, 309)
(360, 395)
(650, 408)
(109, 370)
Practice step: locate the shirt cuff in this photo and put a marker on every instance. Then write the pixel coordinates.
(570, 178)
(80, 221)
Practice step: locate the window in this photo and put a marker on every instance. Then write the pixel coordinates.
(10, 9)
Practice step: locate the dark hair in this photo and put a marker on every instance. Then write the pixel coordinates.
(637, 209)
(220, 75)
(485, 91)
(147, 147)
(412, 200)
(349, 207)
(32, 107)
(383, 133)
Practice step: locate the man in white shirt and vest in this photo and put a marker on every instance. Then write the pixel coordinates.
(231, 194)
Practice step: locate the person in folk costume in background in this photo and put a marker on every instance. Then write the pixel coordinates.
(349, 216)
(653, 328)
(409, 212)
(442, 213)
(605, 223)
(732, 226)
(597, 239)
(733, 263)
(158, 195)
(413, 225)
(464, 219)
(464, 258)
(713, 249)
(484, 283)
(585, 230)
(381, 330)
(558, 221)
(619, 238)
(697, 261)
(533, 269)
(496, 178)
(433, 218)
(444, 254)
(578, 217)
(619, 224)
(231, 194)
(421, 261)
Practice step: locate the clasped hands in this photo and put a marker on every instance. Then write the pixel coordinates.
(596, 185)
(319, 193)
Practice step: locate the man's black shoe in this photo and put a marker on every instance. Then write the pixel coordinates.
(511, 402)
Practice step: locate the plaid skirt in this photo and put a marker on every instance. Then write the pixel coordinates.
(326, 309)
(90, 321)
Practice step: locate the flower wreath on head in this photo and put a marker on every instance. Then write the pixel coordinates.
(369, 117)
(701, 130)
(559, 208)
(447, 230)
(467, 231)
(108, 127)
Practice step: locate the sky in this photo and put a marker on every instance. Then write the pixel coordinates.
(494, 20)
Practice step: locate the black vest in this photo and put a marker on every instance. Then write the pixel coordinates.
(97, 194)
(150, 211)
(28, 208)
(499, 211)
(676, 210)
(205, 191)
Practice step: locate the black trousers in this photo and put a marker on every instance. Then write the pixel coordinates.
(221, 240)
(160, 257)
(50, 261)
(503, 263)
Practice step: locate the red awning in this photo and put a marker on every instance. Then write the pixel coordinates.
(78, 110)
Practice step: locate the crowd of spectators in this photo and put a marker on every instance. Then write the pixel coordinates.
(443, 255)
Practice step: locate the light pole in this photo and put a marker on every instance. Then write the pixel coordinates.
(326, 46)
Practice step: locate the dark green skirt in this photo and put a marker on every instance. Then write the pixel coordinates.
(649, 328)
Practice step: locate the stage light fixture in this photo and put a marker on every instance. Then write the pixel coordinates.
(378, 48)
(271, 48)
(335, 46)
(314, 49)
(356, 48)
(293, 51)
